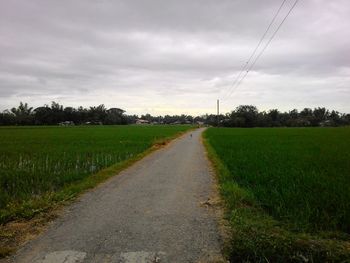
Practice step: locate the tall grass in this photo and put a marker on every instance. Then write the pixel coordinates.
(37, 160)
(300, 176)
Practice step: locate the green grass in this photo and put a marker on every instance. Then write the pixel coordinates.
(40, 166)
(287, 192)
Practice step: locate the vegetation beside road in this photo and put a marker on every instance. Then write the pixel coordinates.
(40, 166)
(286, 191)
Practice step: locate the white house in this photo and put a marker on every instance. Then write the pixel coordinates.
(141, 121)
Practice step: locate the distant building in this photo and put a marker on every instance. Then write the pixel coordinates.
(93, 123)
(326, 123)
(141, 121)
(66, 123)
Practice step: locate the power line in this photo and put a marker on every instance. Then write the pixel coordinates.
(264, 48)
(258, 45)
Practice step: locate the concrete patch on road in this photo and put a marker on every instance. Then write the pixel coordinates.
(142, 257)
(67, 256)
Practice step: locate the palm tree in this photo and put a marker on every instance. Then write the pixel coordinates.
(23, 113)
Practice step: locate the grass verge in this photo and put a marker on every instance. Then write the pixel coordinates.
(25, 220)
(257, 237)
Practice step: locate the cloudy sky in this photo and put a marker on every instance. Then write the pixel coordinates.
(178, 56)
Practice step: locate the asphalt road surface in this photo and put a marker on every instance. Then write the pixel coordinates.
(150, 212)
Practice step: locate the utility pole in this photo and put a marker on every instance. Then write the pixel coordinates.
(217, 113)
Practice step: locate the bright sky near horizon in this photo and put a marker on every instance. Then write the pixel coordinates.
(173, 57)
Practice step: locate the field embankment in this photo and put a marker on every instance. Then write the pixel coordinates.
(287, 192)
(43, 165)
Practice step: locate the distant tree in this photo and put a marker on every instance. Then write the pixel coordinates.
(214, 120)
(43, 115)
(97, 114)
(23, 114)
(305, 117)
(147, 117)
(291, 118)
(335, 118)
(263, 119)
(83, 115)
(71, 114)
(275, 117)
(131, 119)
(306, 112)
(115, 116)
(57, 113)
(7, 118)
(347, 119)
(244, 116)
(294, 114)
(320, 116)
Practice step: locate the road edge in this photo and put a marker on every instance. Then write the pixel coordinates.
(216, 201)
(16, 233)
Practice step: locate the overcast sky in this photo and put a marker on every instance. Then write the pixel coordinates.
(170, 57)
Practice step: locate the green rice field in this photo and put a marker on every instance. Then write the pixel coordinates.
(35, 161)
(283, 185)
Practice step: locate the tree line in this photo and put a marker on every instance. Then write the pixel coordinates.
(250, 116)
(56, 113)
(242, 116)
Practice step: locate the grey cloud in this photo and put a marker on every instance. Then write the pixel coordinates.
(179, 53)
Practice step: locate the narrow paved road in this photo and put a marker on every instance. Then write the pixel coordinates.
(151, 212)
